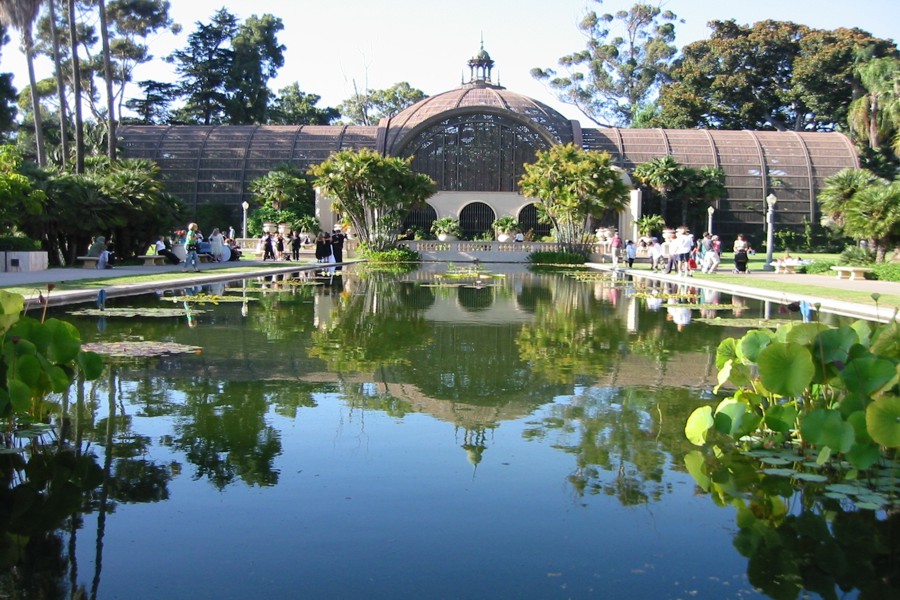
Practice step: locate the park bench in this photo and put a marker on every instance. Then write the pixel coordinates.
(151, 260)
(88, 262)
(846, 272)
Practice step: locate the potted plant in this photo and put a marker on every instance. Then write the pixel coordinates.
(505, 226)
(446, 228)
(308, 226)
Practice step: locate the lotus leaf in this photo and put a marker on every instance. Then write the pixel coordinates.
(726, 351)
(812, 477)
(786, 368)
(694, 462)
(826, 427)
(11, 306)
(735, 418)
(863, 331)
(866, 375)
(863, 456)
(19, 394)
(782, 417)
(65, 341)
(886, 340)
(698, 425)
(801, 333)
(883, 421)
(91, 365)
(752, 344)
(833, 345)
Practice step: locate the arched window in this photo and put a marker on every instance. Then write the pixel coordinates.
(475, 152)
(475, 219)
(420, 218)
(528, 221)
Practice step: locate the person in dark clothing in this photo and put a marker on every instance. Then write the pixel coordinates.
(268, 250)
(337, 245)
(296, 244)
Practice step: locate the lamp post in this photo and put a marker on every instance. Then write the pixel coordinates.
(709, 211)
(770, 234)
(245, 205)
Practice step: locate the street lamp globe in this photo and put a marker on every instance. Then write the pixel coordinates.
(770, 234)
(709, 211)
(245, 205)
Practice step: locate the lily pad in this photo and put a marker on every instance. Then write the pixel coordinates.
(781, 472)
(785, 368)
(206, 299)
(136, 349)
(883, 421)
(134, 312)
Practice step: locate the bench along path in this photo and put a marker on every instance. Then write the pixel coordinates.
(846, 272)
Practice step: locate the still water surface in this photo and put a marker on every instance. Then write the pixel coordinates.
(376, 437)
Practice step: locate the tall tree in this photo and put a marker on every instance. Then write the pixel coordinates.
(875, 116)
(60, 84)
(108, 80)
(76, 88)
(771, 75)
(256, 58)
(370, 106)
(153, 107)
(617, 73)
(294, 107)
(21, 15)
(375, 192)
(570, 185)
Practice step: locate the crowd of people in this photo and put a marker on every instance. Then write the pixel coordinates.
(678, 251)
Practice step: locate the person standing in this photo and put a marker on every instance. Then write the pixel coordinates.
(296, 243)
(268, 251)
(630, 253)
(217, 244)
(337, 245)
(191, 247)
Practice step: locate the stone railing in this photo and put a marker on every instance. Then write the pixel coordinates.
(433, 250)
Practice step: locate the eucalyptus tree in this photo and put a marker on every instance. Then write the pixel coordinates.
(627, 56)
(21, 15)
(374, 192)
(76, 88)
(291, 106)
(571, 185)
(370, 106)
(108, 80)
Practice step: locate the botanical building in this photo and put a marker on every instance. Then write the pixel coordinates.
(474, 140)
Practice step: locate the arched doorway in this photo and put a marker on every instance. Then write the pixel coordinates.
(419, 220)
(475, 219)
(528, 221)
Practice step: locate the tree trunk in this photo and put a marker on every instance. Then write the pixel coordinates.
(60, 89)
(35, 98)
(76, 88)
(107, 75)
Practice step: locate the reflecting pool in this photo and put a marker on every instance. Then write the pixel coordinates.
(371, 435)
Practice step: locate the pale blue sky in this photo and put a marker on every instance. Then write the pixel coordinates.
(331, 45)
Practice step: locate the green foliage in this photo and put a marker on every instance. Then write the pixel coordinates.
(37, 358)
(833, 390)
(613, 78)
(446, 226)
(556, 258)
(648, 224)
(294, 107)
(571, 185)
(818, 267)
(856, 255)
(887, 271)
(370, 106)
(505, 224)
(18, 198)
(374, 192)
(394, 255)
(18, 243)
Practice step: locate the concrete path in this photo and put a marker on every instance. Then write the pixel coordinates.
(209, 273)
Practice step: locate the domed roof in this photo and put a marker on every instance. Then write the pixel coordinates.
(469, 98)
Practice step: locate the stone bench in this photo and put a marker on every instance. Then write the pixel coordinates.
(151, 260)
(789, 268)
(846, 272)
(88, 262)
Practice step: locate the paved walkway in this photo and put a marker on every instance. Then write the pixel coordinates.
(871, 311)
(209, 273)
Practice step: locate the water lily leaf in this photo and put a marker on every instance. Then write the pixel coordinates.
(694, 462)
(836, 496)
(786, 368)
(863, 456)
(19, 394)
(826, 427)
(734, 418)
(698, 425)
(140, 349)
(883, 421)
(91, 365)
(149, 312)
(780, 472)
(886, 340)
(867, 505)
(866, 375)
(811, 477)
(833, 345)
(803, 333)
(774, 460)
(782, 417)
(752, 344)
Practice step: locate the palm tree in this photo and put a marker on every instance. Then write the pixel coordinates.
(874, 215)
(663, 174)
(874, 116)
(21, 14)
(840, 190)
